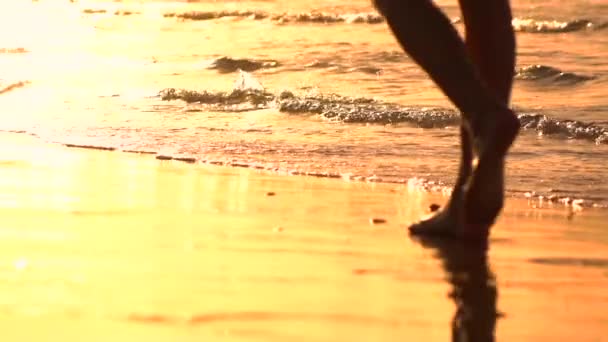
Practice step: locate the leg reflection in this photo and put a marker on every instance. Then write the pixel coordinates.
(473, 288)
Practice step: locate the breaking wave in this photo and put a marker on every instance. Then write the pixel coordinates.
(571, 129)
(330, 106)
(312, 17)
(528, 25)
(364, 110)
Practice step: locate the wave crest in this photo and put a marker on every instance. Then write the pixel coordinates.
(283, 18)
(226, 64)
(551, 74)
(528, 25)
(364, 110)
(249, 94)
(571, 129)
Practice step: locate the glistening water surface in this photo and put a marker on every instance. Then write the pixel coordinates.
(339, 96)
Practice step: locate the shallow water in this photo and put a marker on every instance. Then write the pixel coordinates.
(90, 73)
(102, 246)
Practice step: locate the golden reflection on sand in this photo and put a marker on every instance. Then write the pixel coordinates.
(108, 245)
(474, 289)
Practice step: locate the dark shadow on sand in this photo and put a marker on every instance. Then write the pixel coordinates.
(474, 290)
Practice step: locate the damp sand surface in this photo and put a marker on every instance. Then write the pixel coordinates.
(106, 245)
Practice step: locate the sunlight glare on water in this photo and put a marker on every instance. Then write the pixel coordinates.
(92, 71)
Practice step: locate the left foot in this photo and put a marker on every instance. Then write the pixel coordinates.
(477, 199)
(450, 220)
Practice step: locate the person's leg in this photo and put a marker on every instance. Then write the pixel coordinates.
(430, 39)
(490, 41)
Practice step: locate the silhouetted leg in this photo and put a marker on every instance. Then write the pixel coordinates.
(452, 215)
(490, 41)
(430, 39)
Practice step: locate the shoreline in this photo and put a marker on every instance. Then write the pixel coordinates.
(98, 246)
(526, 206)
(533, 199)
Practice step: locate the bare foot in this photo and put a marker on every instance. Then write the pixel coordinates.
(450, 220)
(477, 198)
(485, 196)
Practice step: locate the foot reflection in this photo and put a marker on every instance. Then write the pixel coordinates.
(473, 287)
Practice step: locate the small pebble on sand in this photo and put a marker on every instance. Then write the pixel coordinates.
(270, 193)
(377, 220)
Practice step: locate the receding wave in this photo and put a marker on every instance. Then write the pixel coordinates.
(550, 74)
(554, 196)
(228, 64)
(364, 110)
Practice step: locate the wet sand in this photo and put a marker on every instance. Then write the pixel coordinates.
(101, 245)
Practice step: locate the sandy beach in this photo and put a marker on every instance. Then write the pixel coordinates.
(309, 141)
(99, 245)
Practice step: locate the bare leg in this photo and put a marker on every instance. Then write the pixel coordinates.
(490, 41)
(429, 38)
(443, 55)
